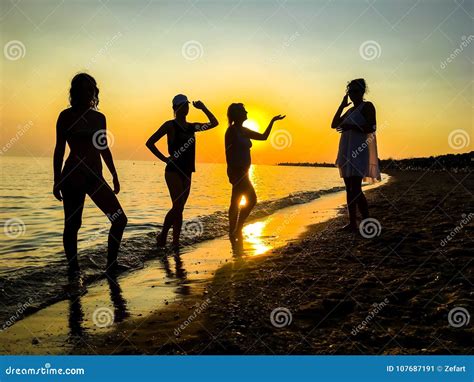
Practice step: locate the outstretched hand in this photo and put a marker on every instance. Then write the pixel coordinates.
(278, 117)
(199, 105)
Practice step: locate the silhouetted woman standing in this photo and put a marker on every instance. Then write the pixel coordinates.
(180, 164)
(237, 149)
(357, 157)
(84, 130)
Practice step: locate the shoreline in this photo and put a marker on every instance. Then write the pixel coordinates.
(136, 250)
(345, 294)
(166, 283)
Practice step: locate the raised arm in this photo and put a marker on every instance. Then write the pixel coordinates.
(150, 143)
(107, 156)
(337, 120)
(213, 122)
(255, 135)
(58, 157)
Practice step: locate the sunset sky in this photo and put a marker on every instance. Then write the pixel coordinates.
(277, 57)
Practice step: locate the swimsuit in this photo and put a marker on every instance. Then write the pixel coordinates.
(237, 155)
(182, 149)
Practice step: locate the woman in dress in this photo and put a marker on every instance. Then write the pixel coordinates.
(237, 148)
(357, 157)
(83, 128)
(180, 164)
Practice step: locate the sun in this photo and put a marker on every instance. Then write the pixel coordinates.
(252, 125)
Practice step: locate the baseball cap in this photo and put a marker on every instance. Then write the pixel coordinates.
(180, 99)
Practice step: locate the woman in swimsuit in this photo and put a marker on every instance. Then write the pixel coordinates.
(180, 164)
(357, 157)
(237, 149)
(83, 128)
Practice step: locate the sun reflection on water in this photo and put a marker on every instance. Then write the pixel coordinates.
(253, 234)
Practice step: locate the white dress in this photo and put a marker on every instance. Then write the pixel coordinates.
(357, 155)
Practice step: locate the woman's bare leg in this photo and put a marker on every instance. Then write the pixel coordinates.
(351, 204)
(234, 210)
(179, 188)
(251, 201)
(361, 201)
(107, 201)
(73, 201)
(180, 204)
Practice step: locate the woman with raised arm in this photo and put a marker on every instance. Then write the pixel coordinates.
(238, 141)
(83, 128)
(357, 157)
(180, 164)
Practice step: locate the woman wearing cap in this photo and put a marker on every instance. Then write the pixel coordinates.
(237, 149)
(180, 164)
(357, 157)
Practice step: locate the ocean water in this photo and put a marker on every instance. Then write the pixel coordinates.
(31, 253)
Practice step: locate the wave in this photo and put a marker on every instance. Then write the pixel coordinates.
(34, 288)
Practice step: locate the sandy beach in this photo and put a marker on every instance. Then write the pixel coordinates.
(238, 190)
(335, 292)
(83, 311)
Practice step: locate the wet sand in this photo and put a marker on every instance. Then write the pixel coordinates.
(164, 292)
(391, 294)
(335, 292)
(42, 286)
(346, 294)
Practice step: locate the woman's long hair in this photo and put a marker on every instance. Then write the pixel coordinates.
(84, 93)
(233, 112)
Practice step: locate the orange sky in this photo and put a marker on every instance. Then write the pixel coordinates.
(293, 58)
